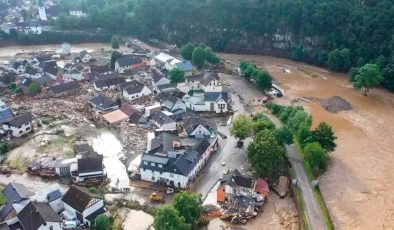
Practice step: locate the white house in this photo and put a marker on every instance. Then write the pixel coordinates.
(19, 67)
(65, 49)
(135, 90)
(161, 59)
(39, 215)
(195, 102)
(194, 82)
(108, 81)
(158, 80)
(17, 197)
(82, 205)
(172, 104)
(87, 168)
(19, 125)
(216, 102)
(196, 127)
(176, 170)
(77, 13)
(30, 27)
(85, 56)
(162, 121)
(129, 62)
(42, 15)
(211, 83)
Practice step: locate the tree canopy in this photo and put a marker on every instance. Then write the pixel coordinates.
(177, 75)
(367, 76)
(102, 222)
(188, 206)
(338, 34)
(316, 157)
(114, 56)
(168, 218)
(241, 127)
(114, 43)
(324, 135)
(265, 155)
(198, 57)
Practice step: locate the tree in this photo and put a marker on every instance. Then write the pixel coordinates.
(261, 122)
(265, 155)
(242, 127)
(114, 56)
(198, 57)
(210, 56)
(304, 134)
(102, 222)
(187, 51)
(316, 157)
(4, 147)
(283, 136)
(114, 43)
(33, 88)
(167, 218)
(296, 118)
(188, 206)
(335, 61)
(368, 76)
(264, 80)
(325, 136)
(177, 75)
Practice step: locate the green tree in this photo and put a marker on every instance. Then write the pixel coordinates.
(265, 155)
(198, 57)
(316, 157)
(4, 147)
(33, 88)
(296, 118)
(325, 136)
(368, 76)
(102, 222)
(168, 218)
(261, 122)
(335, 61)
(210, 56)
(264, 80)
(283, 136)
(304, 134)
(241, 127)
(114, 43)
(187, 51)
(189, 206)
(114, 56)
(177, 75)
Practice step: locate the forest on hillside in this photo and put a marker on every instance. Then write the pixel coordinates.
(341, 35)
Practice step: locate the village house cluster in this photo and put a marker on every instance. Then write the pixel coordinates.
(27, 17)
(52, 208)
(138, 92)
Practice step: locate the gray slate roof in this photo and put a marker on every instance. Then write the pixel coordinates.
(134, 87)
(33, 215)
(6, 115)
(102, 102)
(161, 118)
(216, 96)
(128, 60)
(65, 87)
(23, 119)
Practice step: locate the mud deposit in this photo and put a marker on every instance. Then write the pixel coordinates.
(334, 104)
(358, 185)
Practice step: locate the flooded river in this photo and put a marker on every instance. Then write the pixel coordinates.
(358, 185)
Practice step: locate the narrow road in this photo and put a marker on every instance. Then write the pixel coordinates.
(312, 207)
(227, 152)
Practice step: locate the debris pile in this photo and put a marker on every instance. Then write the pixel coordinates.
(334, 104)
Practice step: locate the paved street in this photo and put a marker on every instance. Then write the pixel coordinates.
(227, 152)
(313, 211)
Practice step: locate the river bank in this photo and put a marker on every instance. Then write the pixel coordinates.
(357, 186)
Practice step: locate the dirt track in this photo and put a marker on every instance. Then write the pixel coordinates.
(358, 185)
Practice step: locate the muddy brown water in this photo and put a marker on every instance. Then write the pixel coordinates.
(358, 185)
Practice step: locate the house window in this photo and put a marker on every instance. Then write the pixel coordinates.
(160, 166)
(153, 164)
(28, 128)
(145, 163)
(20, 132)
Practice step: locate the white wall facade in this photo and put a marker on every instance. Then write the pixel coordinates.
(18, 131)
(144, 92)
(200, 132)
(213, 86)
(218, 107)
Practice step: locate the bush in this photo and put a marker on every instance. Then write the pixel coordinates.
(316, 157)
